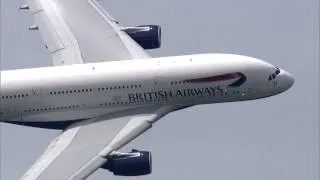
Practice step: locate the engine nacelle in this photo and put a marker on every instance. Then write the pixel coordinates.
(147, 36)
(135, 163)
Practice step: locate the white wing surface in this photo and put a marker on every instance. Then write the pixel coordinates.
(81, 31)
(81, 149)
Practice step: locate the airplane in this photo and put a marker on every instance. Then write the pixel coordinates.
(104, 90)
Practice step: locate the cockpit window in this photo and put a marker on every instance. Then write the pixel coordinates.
(277, 71)
(274, 74)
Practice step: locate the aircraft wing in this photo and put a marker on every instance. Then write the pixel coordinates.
(83, 147)
(81, 31)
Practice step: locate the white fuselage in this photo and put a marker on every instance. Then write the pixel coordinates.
(84, 91)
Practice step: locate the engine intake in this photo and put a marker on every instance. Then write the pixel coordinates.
(135, 163)
(147, 36)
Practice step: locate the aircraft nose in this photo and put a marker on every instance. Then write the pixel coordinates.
(286, 80)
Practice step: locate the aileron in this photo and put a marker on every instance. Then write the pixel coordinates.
(57, 36)
(81, 31)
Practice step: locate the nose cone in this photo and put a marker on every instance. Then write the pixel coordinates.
(286, 80)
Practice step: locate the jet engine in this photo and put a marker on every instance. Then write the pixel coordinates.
(135, 163)
(147, 36)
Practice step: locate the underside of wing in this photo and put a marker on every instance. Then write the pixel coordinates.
(81, 31)
(84, 147)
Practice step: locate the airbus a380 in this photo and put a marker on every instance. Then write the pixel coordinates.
(104, 89)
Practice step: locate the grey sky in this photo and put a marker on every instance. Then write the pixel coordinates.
(274, 138)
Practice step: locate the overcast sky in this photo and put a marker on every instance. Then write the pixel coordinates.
(274, 138)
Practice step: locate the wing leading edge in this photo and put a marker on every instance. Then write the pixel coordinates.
(81, 31)
(81, 149)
